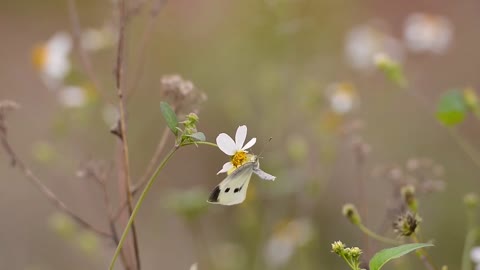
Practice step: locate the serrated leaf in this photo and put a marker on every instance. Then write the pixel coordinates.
(198, 136)
(169, 116)
(451, 108)
(384, 256)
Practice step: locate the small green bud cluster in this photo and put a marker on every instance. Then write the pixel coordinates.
(392, 70)
(350, 254)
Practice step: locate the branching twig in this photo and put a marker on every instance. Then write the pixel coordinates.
(153, 162)
(18, 163)
(119, 69)
(146, 37)
(83, 55)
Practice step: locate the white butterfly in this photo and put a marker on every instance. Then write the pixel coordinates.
(233, 189)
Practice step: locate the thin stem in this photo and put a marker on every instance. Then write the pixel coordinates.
(119, 69)
(423, 255)
(470, 239)
(153, 161)
(18, 163)
(83, 55)
(195, 143)
(108, 205)
(139, 203)
(142, 51)
(466, 146)
(377, 237)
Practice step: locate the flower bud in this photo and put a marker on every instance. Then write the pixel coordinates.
(351, 213)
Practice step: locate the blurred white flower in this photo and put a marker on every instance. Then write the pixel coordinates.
(475, 255)
(364, 41)
(235, 149)
(110, 115)
(97, 39)
(72, 97)
(194, 266)
(286, 240)
(52, 58)
(425, 32)
(342, 97)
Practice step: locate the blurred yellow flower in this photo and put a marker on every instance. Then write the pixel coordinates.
(342, 97)
(51, 58)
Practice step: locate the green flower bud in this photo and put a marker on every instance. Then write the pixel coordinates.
(406, 224)
(471, 200)
(338, 247)
(408, 195)
(350, 211)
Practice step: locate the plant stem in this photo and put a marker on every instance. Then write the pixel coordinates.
(375, 236)
(466, 146)
(423, 255)
(139, 203)
(469, 239)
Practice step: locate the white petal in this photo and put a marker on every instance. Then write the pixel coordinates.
(240, 136)
(226, 167)
(250, 144)
(475, 254)
(226, 144)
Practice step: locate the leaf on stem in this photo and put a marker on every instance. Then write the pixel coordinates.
(384, 256)
(170, 117)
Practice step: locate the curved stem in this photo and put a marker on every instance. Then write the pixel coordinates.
(205, 143)
(469, 240)
(375, 236)
(466, 146)
(139, 203)
(423, 255)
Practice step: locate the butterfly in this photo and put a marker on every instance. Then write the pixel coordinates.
(233, 189)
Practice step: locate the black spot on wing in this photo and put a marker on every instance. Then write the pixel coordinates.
(237, 189)
(227, 190)
(214, 195)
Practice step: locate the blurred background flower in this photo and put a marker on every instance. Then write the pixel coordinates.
(428, 33)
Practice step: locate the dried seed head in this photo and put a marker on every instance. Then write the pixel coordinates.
(182, 94)
(406, 224)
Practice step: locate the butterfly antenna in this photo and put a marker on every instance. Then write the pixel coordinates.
(264, 146)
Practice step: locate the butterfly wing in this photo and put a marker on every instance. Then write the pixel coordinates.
(233, 189)
(263, 175)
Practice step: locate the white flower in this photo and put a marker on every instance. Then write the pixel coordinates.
(235, 149)
(72, 97)
(425, 32)
(342, 97)
(52, 58)
(364, 41)
(475, 255)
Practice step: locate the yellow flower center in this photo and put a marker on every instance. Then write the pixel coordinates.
(239, 158)
(39, 56)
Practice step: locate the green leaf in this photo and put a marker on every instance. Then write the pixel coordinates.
(198, 136)
(384, 256)
(452, 108)
(170, 117)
